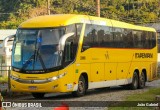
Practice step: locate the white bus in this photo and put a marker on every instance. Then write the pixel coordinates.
(5, 54)
(158, 51)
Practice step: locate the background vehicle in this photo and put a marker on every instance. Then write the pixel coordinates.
(5, 54)
(73, 53)
(158, 52)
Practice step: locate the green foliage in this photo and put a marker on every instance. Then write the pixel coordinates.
(13, 12)
(145, 96)
(3, 79)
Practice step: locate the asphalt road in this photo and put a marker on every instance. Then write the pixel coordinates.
(100, 95)
(117, 93)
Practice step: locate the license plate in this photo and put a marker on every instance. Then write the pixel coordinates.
(32, 87)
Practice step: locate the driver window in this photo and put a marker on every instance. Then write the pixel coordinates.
(71, 43)
(68, 50)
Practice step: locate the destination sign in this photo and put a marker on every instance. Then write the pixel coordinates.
(143, 55)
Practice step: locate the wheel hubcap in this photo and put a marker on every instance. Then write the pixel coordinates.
(142, 80)
(135, 82)
(80, 87)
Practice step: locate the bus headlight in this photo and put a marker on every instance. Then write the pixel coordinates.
(37, 81)
(57, 77)
(14, 77)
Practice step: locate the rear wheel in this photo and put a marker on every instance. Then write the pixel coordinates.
(81, 87)
(142, 81)
(38, 95)
(134, 84)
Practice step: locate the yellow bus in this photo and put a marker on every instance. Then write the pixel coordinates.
(74, 53)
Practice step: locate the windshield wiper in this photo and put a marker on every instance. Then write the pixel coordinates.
(34, 58)
(25, 65)
(37, 54)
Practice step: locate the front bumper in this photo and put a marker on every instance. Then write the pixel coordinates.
(54, 86)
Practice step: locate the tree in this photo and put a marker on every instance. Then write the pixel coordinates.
(13, 12)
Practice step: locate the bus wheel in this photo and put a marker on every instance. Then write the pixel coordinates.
(142, 82)
(134, 84)
(38, 95)
(81, 88)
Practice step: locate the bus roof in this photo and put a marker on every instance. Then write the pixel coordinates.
(58, 20)
(51, 21)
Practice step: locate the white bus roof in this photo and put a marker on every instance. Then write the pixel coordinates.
(7, 32)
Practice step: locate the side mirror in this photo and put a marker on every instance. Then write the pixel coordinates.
(63, 40)
(11, 37)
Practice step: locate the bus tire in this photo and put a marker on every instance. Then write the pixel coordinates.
(134, 84)
(38, 95)
(81, 87)
(142, 81)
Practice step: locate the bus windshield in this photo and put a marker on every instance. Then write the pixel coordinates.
(37, 49)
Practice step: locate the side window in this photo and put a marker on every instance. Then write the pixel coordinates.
(76, 39)
(148, 39)
(137, 39)
(87, 37)
(129, 39)
(118, 40)
(153, 39)
(71, 28)
(68, 50)
(78, 30)
(94, 37)
(145, 40)
(158, 45)
(158, 40)
(71, 44)
(101, 33)
(104, 36)
(108, 37)
(125, 37)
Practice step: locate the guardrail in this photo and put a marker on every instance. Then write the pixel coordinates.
(4, 70)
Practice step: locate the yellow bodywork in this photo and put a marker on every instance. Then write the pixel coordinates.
(100, 64)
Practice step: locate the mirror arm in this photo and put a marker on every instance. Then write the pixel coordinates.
(63, 40)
